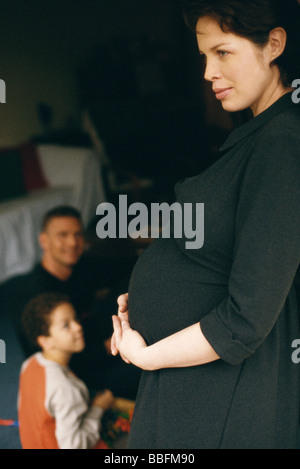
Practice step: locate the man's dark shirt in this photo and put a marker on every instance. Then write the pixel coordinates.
(80, 287)
(94, 366)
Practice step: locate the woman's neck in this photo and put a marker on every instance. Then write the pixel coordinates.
(273, 94)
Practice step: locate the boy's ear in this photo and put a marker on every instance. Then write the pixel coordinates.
(44, 342)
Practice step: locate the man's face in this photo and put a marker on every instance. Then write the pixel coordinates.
(62, 241)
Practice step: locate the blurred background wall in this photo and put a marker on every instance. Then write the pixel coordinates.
(45, 44)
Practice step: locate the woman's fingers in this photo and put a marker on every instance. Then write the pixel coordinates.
(113, 348)
(125, 325)
(117, 329)
(123, 303)
(123, 314)
(117, 336)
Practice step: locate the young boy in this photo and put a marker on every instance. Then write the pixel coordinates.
(54, 407)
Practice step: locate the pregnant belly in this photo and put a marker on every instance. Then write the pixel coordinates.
(168, 291)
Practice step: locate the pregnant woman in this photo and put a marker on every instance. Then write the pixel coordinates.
(213, 328)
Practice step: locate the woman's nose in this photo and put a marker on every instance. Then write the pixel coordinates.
(211, 71)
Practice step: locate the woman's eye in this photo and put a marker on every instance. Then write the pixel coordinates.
(222, 53)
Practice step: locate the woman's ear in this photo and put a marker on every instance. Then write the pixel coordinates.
(277, 42)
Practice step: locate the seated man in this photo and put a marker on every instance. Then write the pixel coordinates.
(64, 269)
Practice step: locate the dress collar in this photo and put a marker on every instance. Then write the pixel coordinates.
(247, 129)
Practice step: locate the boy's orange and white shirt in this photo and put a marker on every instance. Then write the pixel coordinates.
(54, 408)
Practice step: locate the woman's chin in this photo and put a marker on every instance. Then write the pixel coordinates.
(230, 105)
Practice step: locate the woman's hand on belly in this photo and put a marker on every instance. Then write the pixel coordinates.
(129, 343)
(123, 315)
(184, 349)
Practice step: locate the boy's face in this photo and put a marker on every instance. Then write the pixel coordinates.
(65, 332)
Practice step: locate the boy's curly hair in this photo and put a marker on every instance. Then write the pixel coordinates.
(36, 315)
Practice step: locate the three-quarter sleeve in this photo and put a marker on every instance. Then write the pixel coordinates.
(267, 248)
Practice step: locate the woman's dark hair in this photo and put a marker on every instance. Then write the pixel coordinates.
(36, 315)
(254, 20)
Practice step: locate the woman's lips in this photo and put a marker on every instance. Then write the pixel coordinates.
(221, 93)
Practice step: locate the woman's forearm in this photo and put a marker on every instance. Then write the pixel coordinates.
(185, 348)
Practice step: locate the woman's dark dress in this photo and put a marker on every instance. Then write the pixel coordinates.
(239, 285)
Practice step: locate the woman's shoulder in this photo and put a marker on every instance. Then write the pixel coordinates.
(275, 147)
(282, 128)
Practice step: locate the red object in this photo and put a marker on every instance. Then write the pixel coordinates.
(33, 175)
(101, 445)
(8, 423)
